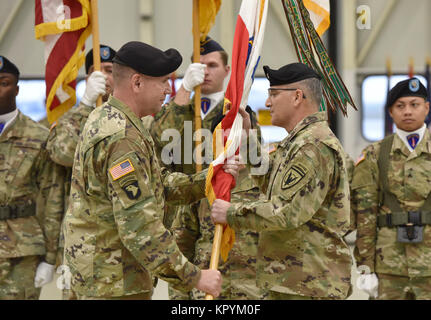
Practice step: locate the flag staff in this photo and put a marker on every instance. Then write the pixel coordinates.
(197, 97)
(96, 42)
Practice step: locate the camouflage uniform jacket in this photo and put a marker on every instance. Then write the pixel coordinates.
(409, 176)
(114, 234)
(304, 217)
(192, 226)
(62, 141)
(29, 178)
(64, 134)
(174, 116)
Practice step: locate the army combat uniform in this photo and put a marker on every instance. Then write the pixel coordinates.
(31, 207)
(192, 225)
(402, 268)
(302, 221)
(114, 236)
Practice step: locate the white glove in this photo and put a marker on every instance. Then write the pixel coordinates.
(44, 274)
(96, 85)
(369, 284)
(194, 76)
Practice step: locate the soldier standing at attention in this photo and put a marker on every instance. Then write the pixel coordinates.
(302, 221)
(392, 201)
(191, 225)
(64, 133)
(114, 236)
(31, 197)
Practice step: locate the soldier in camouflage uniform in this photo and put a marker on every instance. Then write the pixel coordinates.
(192, 226)
(29, 222)
(114, 236)
(302, 221)
(390, 192)
(64, 133)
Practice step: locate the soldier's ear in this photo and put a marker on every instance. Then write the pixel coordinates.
(136, 82)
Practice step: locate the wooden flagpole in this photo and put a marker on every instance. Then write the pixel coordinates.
(96, 42)
(197, 97)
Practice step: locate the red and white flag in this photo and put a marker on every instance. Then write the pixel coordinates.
(248, 40)
(63, 25)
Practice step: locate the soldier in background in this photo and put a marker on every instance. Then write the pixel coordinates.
(31, 197)
(64, 133)
(114, 235)
(306, 213)
(391, 198)
(191, 225)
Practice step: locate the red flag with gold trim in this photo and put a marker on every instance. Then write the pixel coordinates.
(63, 25)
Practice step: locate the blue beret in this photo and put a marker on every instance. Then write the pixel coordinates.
(209, 45)
(8, 67)
(407, 88)
(106, 55)
(289, 73)
(147, 59)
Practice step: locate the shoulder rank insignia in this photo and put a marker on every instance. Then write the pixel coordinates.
(293, 176)
(132, 190)
(360, 159)
(121, 169)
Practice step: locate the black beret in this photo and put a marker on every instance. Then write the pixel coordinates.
(209, 45)
(407, 88)
(8, 67)
(147, 59)
(106, 55)
(289, 73)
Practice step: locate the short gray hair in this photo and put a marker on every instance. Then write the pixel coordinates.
(313, 89)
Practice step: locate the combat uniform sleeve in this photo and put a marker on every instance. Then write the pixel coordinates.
(181, 188)
(297, 193)
(138, 213)
(62, 141)
(185, 228)
(51, 178)
(172, 116)
(365, 206)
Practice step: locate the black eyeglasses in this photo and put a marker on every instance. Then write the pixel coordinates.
(284, 89)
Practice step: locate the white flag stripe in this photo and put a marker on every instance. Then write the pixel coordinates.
(250, 15)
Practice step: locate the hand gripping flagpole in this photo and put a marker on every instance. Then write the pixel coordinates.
(197, 97)
(96, 42)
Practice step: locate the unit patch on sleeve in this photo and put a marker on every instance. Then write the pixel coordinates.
(292, 177)
(121, 169)
(132, 190)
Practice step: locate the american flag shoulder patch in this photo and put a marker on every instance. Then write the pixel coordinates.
(121, 169)
(360, 159)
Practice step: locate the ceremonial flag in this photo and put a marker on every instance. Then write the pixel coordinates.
(248, 40)
(311, 51)
(63, 25)
(207, 13)
(411, 67)
(319, 14)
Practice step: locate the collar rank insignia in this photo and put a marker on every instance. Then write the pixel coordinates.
(295, 174)
(132, 190)
(121, 169)
(413, 139)
(205, 104)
